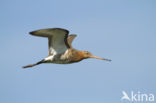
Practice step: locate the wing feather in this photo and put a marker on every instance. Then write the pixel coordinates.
(57, 39)
(70, 39)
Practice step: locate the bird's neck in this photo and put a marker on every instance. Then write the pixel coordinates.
(76, 55)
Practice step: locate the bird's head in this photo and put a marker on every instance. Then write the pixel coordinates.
(87, 54)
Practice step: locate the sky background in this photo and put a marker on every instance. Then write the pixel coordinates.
(121, 30)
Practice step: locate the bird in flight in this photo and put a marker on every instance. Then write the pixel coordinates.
(60, 47)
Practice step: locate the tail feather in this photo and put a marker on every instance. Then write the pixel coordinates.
(31, 65)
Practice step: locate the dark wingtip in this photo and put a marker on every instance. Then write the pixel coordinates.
(32, 32)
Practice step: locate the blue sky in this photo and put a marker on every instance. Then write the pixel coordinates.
(121, 30)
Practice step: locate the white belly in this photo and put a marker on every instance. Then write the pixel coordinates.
(58, 59)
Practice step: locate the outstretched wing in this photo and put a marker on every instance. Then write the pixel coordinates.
(57, 39)
(70, 39)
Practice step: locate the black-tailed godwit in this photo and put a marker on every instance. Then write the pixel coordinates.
(60, 47)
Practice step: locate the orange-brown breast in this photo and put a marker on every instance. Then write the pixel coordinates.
(75, 55)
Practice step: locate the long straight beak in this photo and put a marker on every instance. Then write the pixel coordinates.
(100, 58)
